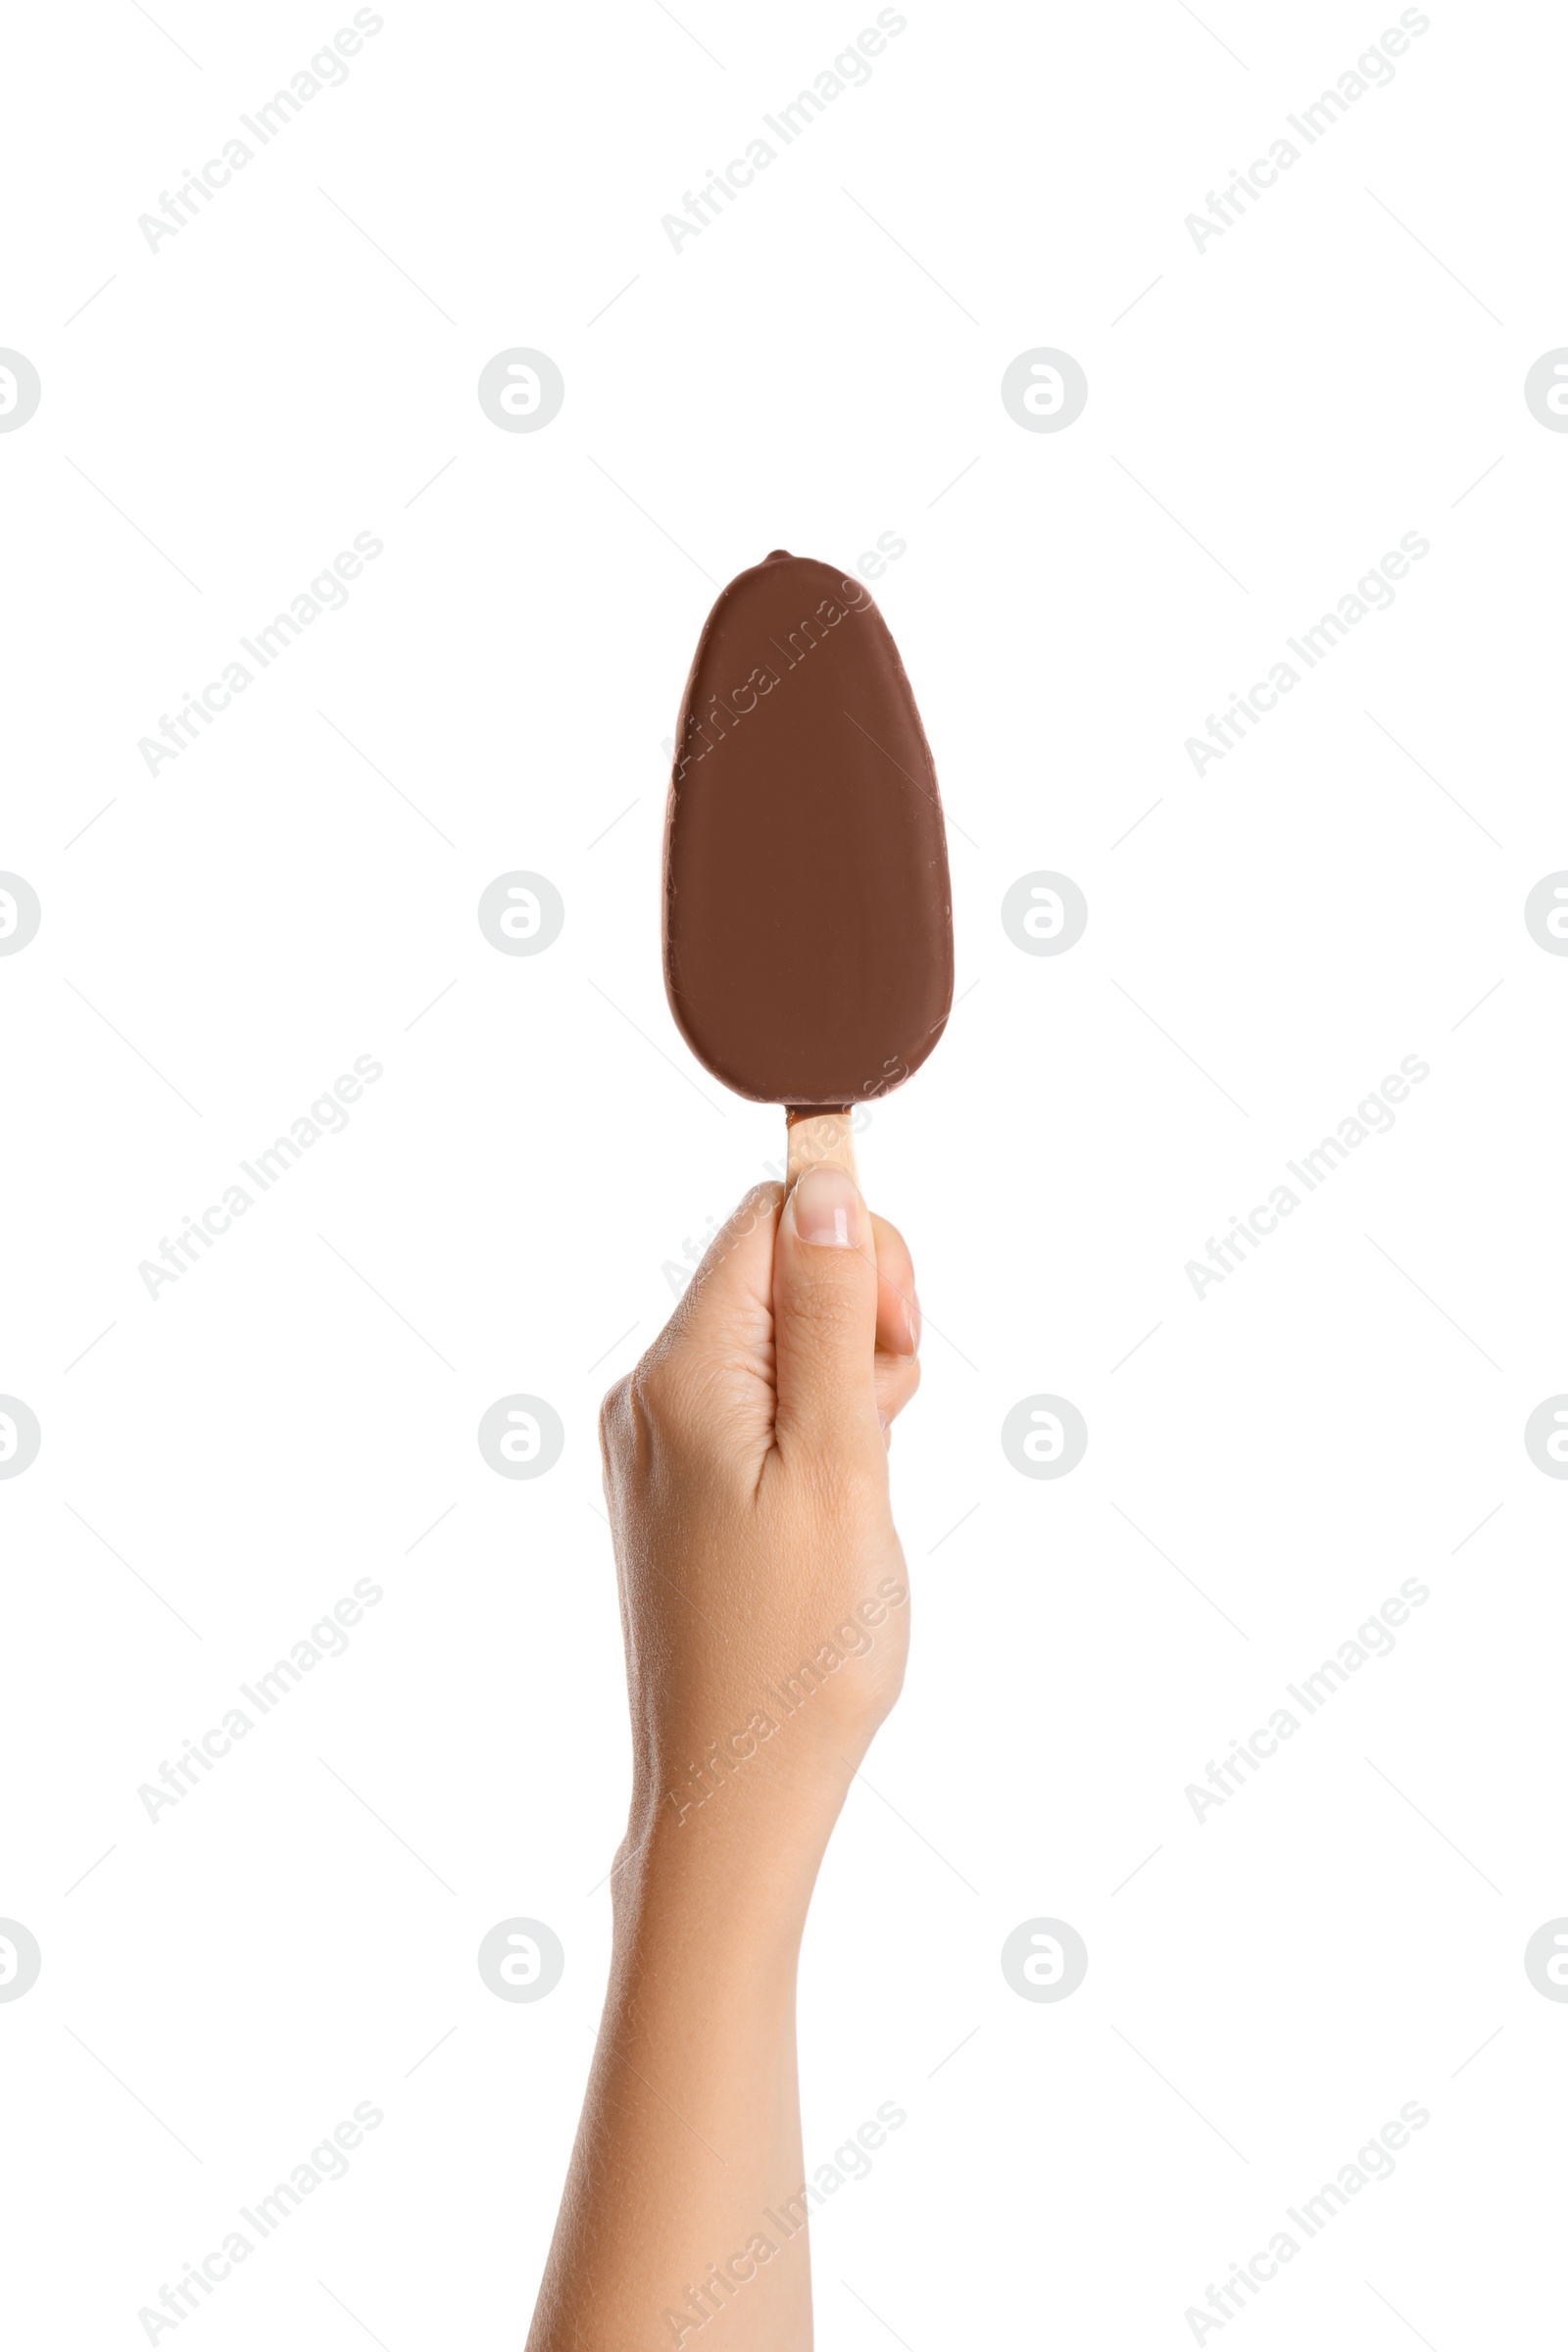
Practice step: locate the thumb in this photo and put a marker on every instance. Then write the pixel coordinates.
(824, 1317)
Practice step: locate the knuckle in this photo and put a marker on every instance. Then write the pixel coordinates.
(632, 1409)
(611, 1404)
(651, 1394)
(613, 1426)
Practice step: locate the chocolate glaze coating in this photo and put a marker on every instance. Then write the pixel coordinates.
(807, 915)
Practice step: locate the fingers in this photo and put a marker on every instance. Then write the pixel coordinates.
(897, 1378)
(735, 1276)
(777, 1326)
(706, 1384)
(898, 1308)
(897, 1324)
(731, 1288)
(825, 1299)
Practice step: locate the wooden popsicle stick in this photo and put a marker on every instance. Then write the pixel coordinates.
(820, 1138)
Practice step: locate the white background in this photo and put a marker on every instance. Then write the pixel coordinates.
(1340, 368)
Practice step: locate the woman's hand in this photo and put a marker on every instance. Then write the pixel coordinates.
(763, 1585)
(765, 1615)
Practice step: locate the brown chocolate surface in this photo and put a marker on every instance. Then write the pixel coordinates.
(808, 917)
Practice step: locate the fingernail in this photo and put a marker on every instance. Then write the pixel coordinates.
(828, 1209)
(915, 1321)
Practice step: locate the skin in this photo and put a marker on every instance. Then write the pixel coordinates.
(746, 1475)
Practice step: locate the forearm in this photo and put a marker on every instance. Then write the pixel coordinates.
(682, 2217)
(763, 1601)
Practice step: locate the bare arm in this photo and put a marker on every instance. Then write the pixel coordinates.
(765, 1616)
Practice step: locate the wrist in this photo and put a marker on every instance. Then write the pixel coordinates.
(742, 1851)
